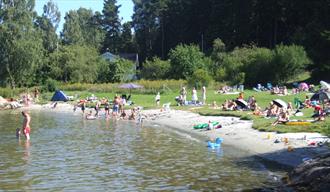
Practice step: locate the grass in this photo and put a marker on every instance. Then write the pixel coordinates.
(260, 123)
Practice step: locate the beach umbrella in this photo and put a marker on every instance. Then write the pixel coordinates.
(130, 86)
(325, 85)
(280, 103)
(242, 103)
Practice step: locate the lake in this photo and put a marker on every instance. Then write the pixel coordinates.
(69, 153)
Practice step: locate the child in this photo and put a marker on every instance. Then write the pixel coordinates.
(157, 99)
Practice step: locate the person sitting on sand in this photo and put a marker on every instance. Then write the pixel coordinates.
(282, 118)
(133, 114)
(257, 109)
(214, 105)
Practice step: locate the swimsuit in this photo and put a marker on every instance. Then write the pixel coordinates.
(27, 130)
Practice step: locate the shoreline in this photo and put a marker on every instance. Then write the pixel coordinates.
(235, 132)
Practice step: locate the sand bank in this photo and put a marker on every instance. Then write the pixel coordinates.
(240, 134)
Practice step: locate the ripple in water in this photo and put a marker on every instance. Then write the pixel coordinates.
(69, 153)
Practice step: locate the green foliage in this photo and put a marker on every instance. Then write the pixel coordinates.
(50, 85)
(21, 50)
(111, 24)
(258, 66)
(121, 70)
(75, 63)
(199, 78)
(155, 69)
(288, 61)
(185, 59)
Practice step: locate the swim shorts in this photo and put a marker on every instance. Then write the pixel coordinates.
(27, 130)
(115, 108)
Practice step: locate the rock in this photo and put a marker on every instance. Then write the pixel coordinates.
(312, 175)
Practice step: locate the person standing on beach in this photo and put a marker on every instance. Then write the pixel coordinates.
(26, 129)
(183, 93)
(204, 95)
(194, 96)
(157, 99)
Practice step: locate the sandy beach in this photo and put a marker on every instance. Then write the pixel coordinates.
(240, 134)
(235, 132)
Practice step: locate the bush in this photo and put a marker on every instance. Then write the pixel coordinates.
(200, 78)
(155, 69)
(288, 61)
(185, 59)
(50, 85)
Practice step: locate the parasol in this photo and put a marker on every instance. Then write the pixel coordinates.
(280, 103)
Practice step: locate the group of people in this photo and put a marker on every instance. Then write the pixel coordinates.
(182, 98)
(117, 112)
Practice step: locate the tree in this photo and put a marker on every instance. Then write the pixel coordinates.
(288, 61)
(72, 32)
(185, 59)
(126, 39)
(155, 69)
(199, 78)
(120, 70)
(83, 27)
(111, 24)
(75, 63)
(48, 24)
(20, 43)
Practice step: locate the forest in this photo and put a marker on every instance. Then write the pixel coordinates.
(234, 41)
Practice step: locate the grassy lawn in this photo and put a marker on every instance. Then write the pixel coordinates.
(260, 123)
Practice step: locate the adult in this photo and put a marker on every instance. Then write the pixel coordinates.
(194, 97)
(282, 118)
(26, 129)
(36, 94)
(115, 108)
(204, 94)
(183, 93)
(107, 108)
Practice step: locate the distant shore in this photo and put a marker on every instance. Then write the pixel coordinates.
(235, 132)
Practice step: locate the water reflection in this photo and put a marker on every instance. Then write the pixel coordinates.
(26, 146)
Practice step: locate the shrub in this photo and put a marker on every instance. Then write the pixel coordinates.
(288, 61)
(185, 59)
(155, 69)
(50, 85)
(199, 78)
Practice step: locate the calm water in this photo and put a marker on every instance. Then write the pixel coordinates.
(69, 153)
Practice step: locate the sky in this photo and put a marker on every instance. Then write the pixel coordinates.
(125, 11)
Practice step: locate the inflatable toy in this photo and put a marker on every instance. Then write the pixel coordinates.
(205, 125)
(215, 144)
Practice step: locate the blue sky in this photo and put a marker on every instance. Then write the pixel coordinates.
(125, 11)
